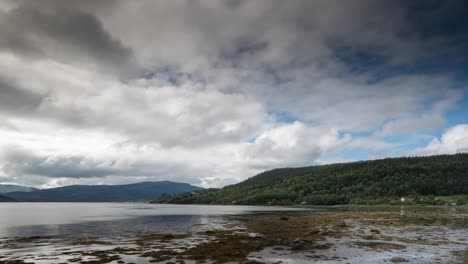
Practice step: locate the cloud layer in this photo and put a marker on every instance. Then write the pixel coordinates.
(213, 92)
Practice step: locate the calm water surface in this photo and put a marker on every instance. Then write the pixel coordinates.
(47, 233)
(32, 219)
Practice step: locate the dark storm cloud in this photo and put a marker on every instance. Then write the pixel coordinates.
(19, 163)
(224, 89)
(69, 35)
(433, 39)
(14, 100)
(23, 163)
(462, 150)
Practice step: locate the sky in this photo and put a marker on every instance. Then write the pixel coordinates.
(213, 92)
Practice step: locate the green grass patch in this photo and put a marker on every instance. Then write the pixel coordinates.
(458, 198)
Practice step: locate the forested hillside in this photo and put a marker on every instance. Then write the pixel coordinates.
(377, 181)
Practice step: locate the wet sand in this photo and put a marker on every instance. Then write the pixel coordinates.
(326, 235)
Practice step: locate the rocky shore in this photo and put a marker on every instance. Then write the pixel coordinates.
(350, 235)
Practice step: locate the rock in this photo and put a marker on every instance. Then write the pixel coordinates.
(342, 224)
(252, 261)
(398, 259)
(199, 257)
(233, 254)
(322, 246)
(375, 231)
(298, 247)
(314, 231)
(284, 218)
(326, 231)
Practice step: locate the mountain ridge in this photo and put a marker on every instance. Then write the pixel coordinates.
(7, 188)
(143, 191)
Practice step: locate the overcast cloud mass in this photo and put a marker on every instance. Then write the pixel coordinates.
(213, 92)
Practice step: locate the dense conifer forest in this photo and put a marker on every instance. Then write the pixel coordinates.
(429, 180)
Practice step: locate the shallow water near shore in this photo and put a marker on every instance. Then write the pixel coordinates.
(32, 219)
(147, 233)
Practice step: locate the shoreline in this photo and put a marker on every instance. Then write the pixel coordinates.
(413, 235)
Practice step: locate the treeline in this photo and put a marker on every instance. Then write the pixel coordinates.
(377, 181)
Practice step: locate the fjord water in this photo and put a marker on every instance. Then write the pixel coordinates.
(46, 232)
(149, 233)
(34, 219)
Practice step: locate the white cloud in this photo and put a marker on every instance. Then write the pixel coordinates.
(292, 144)
(408, 125)
(431, 120)
(454, 140)
(196, 91)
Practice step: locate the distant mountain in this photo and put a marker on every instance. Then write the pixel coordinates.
(5, 199)
(144, 191)
(364, 182)
(7, 188)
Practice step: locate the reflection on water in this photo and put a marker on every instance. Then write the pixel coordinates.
(53, 232)
(143, 233)
(32, 219)
(121, 227)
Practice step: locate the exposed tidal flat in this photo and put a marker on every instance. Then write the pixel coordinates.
(142, 233)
